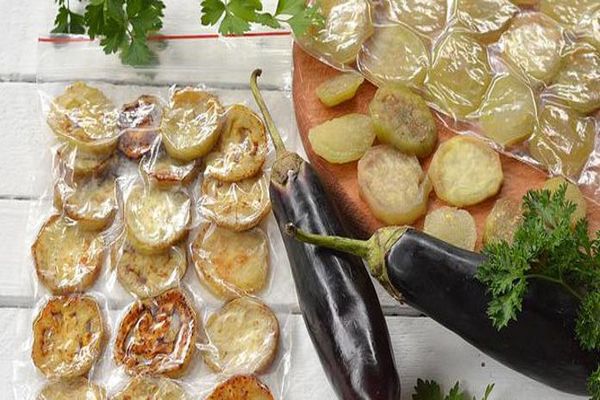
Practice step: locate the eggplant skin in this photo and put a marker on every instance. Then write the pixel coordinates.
(439, 280)
(336, 295)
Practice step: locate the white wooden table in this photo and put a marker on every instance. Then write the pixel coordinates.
(423, 349)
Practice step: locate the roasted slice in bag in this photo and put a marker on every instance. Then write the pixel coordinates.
(394, 55)
(157, 336)
(393, 185)
(503, 221)
(507, 114)
(139, 122)
(459, 75)
(340, 88)
(343, 139)
(241, 387)
(191, 124)
(242, 147)
(146, 275)
(532, 46)
(243, 336)
(67, 258)
(167, 171)
(347, 25)
(485, 18)
(81, 164)
(85, 117)
(453, 226)
(569, 13)
(425, 16)
(465, 171)
(68, 336)
(72, 389)
(151, 388)
(156, 219)
(562, 140)
(231, 264)
(92, 203)
(235, 205)
(403, 119)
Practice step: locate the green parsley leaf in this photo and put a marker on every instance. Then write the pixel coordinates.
(593, 384)
(456, 394)
(427, 390)
(212, 11)
(67, 21)
(233, 25)
(290, 7)
(588, 328)
(137, 52)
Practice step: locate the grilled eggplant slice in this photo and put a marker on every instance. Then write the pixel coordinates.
(393, 185)
(339, 89)
(242, 147)
(243, 336)
(452, 225)
(231, 264)
(502, 222)
(191, 124)
(72, 389)
(67, 258)
(167, 171)
(241, 387)
(146, 275)
(157, 335)
(68, 336)
(83, 164)
(485, 18)
(465, 171)
(156, 219)
(235, 205)
(139, 122)
(151, 388)
(85, 117)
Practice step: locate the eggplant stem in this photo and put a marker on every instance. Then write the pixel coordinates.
(271, 127)
(361, 248)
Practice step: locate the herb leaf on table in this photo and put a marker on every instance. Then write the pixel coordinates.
(431, 390)
(66, 20)
(547, 246)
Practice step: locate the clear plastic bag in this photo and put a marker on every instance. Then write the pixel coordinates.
(523, 75)
(122, 223)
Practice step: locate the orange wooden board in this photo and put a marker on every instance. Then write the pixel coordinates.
(340, 180)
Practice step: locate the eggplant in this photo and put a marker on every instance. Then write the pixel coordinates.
(336, 296)
(439, 280)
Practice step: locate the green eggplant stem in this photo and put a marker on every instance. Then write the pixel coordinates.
(271, 127)
(360, 248)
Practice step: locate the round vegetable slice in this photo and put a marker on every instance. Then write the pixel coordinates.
(426, 16)
(338, 89)
(532, 45)
(453, 226)
(460, 74)
(72, 389)
(465, 171)
(590, 28)
(157, 335)
(562, 140)
(85, 117)
(507, 114)
(568, 13)
(93, 203)
(192, 123)
(156, 219)
(401, 118)
(82, 163)
(236, 205)
(485, 18)
(167, 171)
(578, 82)
(151, 388)
(231, 264)
(343, 139)
(394, 55)
(241, 387)
(242, 147)
(67, 258)
(243, 336)
(347, 25)
(68, 336)
(502, 222)
(148, 275)
(139, 122)
(572, 194)
(393, 185)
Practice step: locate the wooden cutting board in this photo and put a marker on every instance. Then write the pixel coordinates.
(340, 179)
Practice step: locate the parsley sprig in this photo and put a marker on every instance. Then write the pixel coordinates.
(123, 26)
(547, 246)
(431, 390)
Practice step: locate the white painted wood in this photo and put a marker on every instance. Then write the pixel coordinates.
(422, 348)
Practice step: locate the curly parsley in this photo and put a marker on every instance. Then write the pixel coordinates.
(547, 246)
(431, 390)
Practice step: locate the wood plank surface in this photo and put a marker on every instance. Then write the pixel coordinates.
(341, 178)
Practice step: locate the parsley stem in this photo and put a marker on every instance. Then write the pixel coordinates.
(557, 281)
